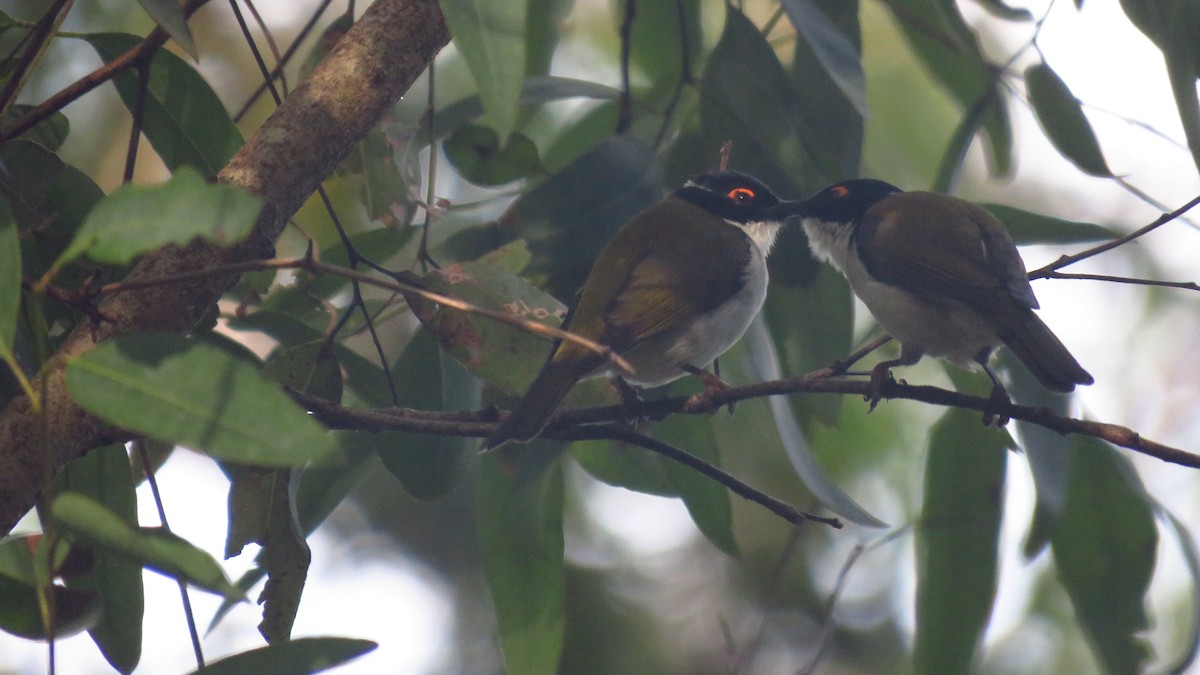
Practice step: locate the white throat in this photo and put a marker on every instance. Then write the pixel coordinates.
(761, 232)
(830, 242)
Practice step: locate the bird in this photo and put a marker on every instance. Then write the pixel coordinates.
(941, 275)
(675, 287)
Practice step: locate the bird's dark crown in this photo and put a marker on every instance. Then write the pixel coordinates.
(846, 201)
(730, 195)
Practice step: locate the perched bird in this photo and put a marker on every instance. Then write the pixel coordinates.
(941, 275)
(675, 287)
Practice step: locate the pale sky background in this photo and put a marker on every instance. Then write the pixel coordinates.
(1109, 65)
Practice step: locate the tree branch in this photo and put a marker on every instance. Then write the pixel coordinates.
(283, 162)
(566, 423)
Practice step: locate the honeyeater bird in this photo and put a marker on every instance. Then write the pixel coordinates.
(941, 275)
(675, 287)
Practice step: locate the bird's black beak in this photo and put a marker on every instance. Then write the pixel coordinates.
(786, 209)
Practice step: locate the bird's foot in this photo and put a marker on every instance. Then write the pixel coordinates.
(713, 385)
(997, 399)
(631, 401)
(881, 377)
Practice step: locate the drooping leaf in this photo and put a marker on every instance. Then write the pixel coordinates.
(1104, 548)
(831, 119)
(706, 500)
(50, 133)
(305, 655)
(491, 38)
(321, 488)
(543, 28)
(657, 41)
(570, 216)
(535, 91)
(1027, 227)
(1062, 118)
(90, 523)
(950, 50)
(836, 53)
(169, 15)
(196, 395)
(520, 529)
(427, 466)
(766, 363)
(10, 278)
(103, 475)
(476, 152)
(957, 541)
(262, 510)
(746, 97)
(135, 219)
(183, 118)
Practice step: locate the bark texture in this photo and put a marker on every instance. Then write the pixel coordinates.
(283, 162)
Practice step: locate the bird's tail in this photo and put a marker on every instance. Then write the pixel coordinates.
(1045, 355)
(530, 416)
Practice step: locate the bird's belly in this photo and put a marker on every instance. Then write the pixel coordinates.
(946, 330)
(702, 339)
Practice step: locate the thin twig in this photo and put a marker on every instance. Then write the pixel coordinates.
(277, 72)
(1044, 272)
(1185, 285)
(625, 104)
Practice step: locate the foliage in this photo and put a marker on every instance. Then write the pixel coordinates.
(546, 155)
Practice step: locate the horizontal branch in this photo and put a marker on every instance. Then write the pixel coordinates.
(567, 422)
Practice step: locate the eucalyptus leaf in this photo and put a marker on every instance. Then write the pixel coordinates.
(1062, 118)
(833, 49)
(520, 527)
(183, 118)
(196, 395)
(103, 474)
(958, 540)
(1027, 227)
(169, 15)
(765, 361)
(305, 655)
(1104, 547)
(491, 38)
(88, 521)
(135, 219)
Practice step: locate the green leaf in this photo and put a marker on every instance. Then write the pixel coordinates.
(306, 655)
(196, 395)
(570, 216)
(183, 119)
(766, 364)
(520, 528)
(625, 466)
(534, 91)
(476, 153)
(103, 475)
(427, 466)
(491, 38)
(657, 39)
(957, 541)
(707, 501)
(747, 97)
(391, 177)
(169, 15)
(1104, 549)
(1062, 118)
(950, 50)
(135, 219)
(831, 119)
(1191, 556)
(505, 357)
(1027, 227)
(836, 53)
(310, 367)
(543, 27)
(50, 133)
(10, 278)
(91, 523)
(262, 511)
(20, 614)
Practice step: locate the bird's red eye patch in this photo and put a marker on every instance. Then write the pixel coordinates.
(741, 195)
(840, 191)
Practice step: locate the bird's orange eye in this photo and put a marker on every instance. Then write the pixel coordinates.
(741, 195)
(840, 191)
